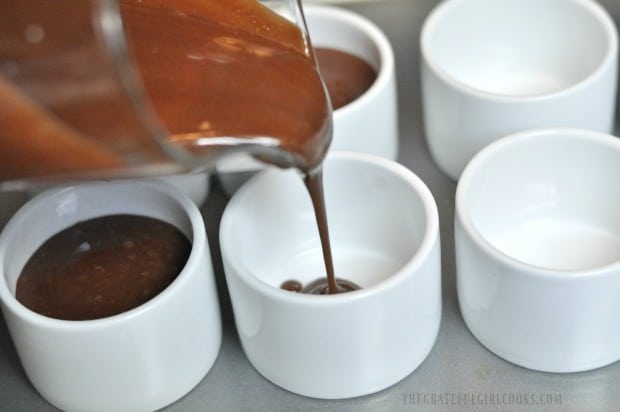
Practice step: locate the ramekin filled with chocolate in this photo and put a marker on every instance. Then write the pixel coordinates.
(109, 295)
(357, 66)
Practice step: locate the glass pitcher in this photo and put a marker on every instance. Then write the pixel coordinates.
(107, 88)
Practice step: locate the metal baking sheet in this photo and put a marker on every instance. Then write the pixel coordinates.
(458, 375)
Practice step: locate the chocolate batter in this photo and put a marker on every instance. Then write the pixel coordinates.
(102, 267)
(346, 76)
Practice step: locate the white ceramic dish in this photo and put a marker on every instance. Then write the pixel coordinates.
(385, 237)
(538, 248)
(139, 360)
(494, 68)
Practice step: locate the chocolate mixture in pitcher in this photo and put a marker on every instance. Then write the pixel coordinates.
(231, 68)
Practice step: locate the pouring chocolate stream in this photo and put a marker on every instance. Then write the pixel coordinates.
(219, 76)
